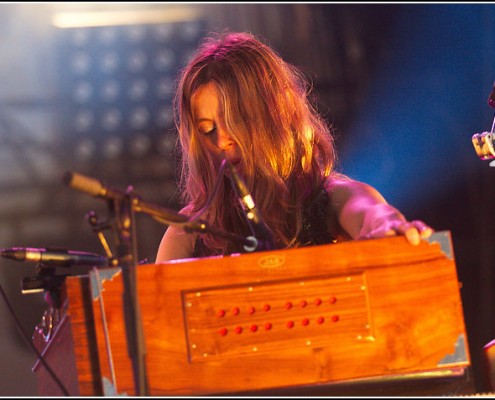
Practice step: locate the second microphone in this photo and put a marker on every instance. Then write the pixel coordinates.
(56, 258)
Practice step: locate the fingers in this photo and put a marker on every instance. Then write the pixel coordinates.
(412, 235)
(424, 230)
(414, 231)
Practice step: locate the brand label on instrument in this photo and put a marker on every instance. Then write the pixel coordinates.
(271, 261)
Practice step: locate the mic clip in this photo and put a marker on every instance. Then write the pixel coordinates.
(483, 142)
(47, 282)
(484, 145)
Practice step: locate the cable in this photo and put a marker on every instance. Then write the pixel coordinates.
(26, 337)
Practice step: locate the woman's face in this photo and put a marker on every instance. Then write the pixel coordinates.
(210, 124)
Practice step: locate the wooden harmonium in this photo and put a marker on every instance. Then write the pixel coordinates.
(312, 319)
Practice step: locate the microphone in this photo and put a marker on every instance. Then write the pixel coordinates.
(57, 258)
(91, 186)
(96, 188)
(258, 227)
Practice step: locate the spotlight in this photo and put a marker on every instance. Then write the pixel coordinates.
(137, 89)
(111, 119)
(113, 147)
(166, 144)
(189, 31)
(81, 63)
(84, 120)
(137, 61)
(110, 91)
(162, 32)
(139, 118)
(108, 35)
(80, 37)
(164, 60)
(109, 62)
(83, 92)
(164, 117)
(135, 33)
(85, 149)
(140, 145)
(164, 88)
(117, 79)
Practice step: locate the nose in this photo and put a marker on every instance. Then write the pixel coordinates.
(224, 140)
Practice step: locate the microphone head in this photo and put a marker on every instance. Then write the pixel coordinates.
(83, 183)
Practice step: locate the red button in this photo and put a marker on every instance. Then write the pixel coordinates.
(335, 318)
(290, 324)
(223, 331)
(305, 322)
(238, 329)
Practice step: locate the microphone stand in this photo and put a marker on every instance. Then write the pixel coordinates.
(122, 207)
(123, 212)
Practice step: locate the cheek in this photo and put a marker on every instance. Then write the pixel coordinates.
(209, 145)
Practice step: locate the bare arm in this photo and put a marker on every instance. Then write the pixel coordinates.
(364, 213)
(175, 245)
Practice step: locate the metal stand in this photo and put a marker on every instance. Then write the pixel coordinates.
(122, 211)
(122, 208)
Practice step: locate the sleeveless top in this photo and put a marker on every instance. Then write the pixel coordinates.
(314, 228)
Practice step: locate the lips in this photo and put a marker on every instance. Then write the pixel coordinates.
(236, 163)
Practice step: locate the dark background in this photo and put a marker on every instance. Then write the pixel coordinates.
(404, 85)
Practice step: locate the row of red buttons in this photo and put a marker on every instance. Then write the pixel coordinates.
(268, 326)
(267, 307)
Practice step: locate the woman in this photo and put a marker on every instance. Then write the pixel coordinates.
(239, 104)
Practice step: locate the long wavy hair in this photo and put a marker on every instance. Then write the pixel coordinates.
(287, 148)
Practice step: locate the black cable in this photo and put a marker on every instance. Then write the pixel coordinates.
(27, 338)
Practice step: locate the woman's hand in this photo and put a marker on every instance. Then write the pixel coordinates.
(383, 220)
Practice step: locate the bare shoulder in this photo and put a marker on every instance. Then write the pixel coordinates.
(337, 180)
(341, 187)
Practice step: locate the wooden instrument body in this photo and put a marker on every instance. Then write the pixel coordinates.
(325, 315)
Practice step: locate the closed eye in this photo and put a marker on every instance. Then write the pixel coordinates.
(211, 131)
